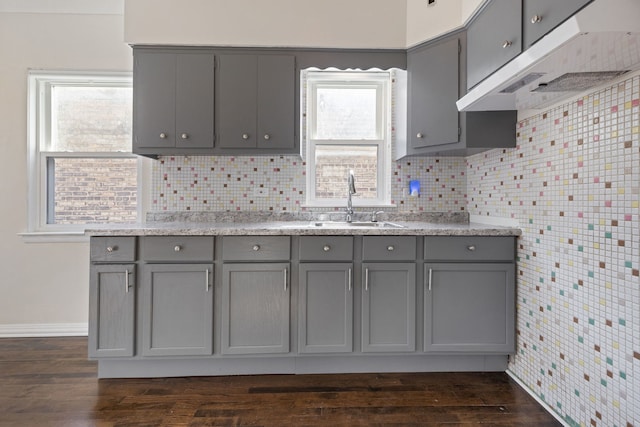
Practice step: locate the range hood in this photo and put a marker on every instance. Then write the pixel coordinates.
(599, 43)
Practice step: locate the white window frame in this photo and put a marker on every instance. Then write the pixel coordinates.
(39, 134)
(381, 80)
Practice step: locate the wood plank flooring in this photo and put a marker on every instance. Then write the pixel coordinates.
(50, 382)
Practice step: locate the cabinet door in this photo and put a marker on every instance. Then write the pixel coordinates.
(541, 16)
(194, 100)
(154, 100)
(112, 296)
(433, 92)
(493, 39)
(255, 308)
(276, 101)
(177, 310)
(326, 308)
(469, 308)
(388, 307)
(237, 98)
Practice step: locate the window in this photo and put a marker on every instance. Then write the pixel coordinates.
(348, 128)
(81, 170)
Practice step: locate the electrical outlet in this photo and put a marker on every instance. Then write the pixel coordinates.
(260, 192)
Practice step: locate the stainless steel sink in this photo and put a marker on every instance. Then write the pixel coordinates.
(344, 224)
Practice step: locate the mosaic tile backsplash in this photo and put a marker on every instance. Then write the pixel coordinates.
(278, 184)
(573, 183)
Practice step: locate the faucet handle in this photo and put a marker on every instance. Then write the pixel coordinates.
(374, 216)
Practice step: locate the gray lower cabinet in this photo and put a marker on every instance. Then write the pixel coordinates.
(388, 307)
(173, 101)
(112, 298)
(177, 310)
(255, 308)
(325, 304)
(469, 307)
(256, 103)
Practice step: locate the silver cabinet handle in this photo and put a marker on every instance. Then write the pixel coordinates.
(207, 286)
(163, 135)
(349, 280)
(267, 136)
(506, 44)
(366, 279)
(326, 248)
(127, 285)
(430, 278)
(391, 248)
(471, 248)
(535, 19)
(112, 248)
(177, 248)
(256, 247)
(285, 279)
(245, 136)
(419, 135)
(184, 136)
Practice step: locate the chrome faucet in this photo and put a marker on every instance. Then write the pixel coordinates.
(351, 184)
(374, 215)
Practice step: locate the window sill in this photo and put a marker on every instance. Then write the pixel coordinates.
(54, 237)
(342, 207)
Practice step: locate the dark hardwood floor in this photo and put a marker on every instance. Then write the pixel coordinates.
(50, 382)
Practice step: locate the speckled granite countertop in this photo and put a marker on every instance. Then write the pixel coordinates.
(304, 224)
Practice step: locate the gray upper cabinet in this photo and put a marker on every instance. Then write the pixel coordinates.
(255, 308)
(436, 79)
(494, 38)
(469, 308)
(173, 102)
(177, 316)
(112, 297)
(541, 16)
(256, 103)
(433, 86)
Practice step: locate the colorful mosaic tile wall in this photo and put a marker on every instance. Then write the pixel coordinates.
(573, 185)
(278, 184)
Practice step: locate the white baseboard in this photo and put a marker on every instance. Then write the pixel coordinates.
(25, 330)
(544, 404)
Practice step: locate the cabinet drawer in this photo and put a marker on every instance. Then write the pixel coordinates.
(469, 248)
(177, 248)
(326, 248)
(389, 248)
(113, 249)
(256, 248)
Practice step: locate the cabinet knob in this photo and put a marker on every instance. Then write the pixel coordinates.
(391, 248)
(535, 19)
(471, 248)
(267, 136)
(184, 136)
(256, 247)
(506, 44)
(326, 248)
(419, 135)
(177, 248)
(112, 249)
(245, 136)
(163, 135)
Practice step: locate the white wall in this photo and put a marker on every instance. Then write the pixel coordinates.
(308, 23)
(43, 283)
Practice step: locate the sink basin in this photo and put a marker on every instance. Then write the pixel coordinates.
(344, 224)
